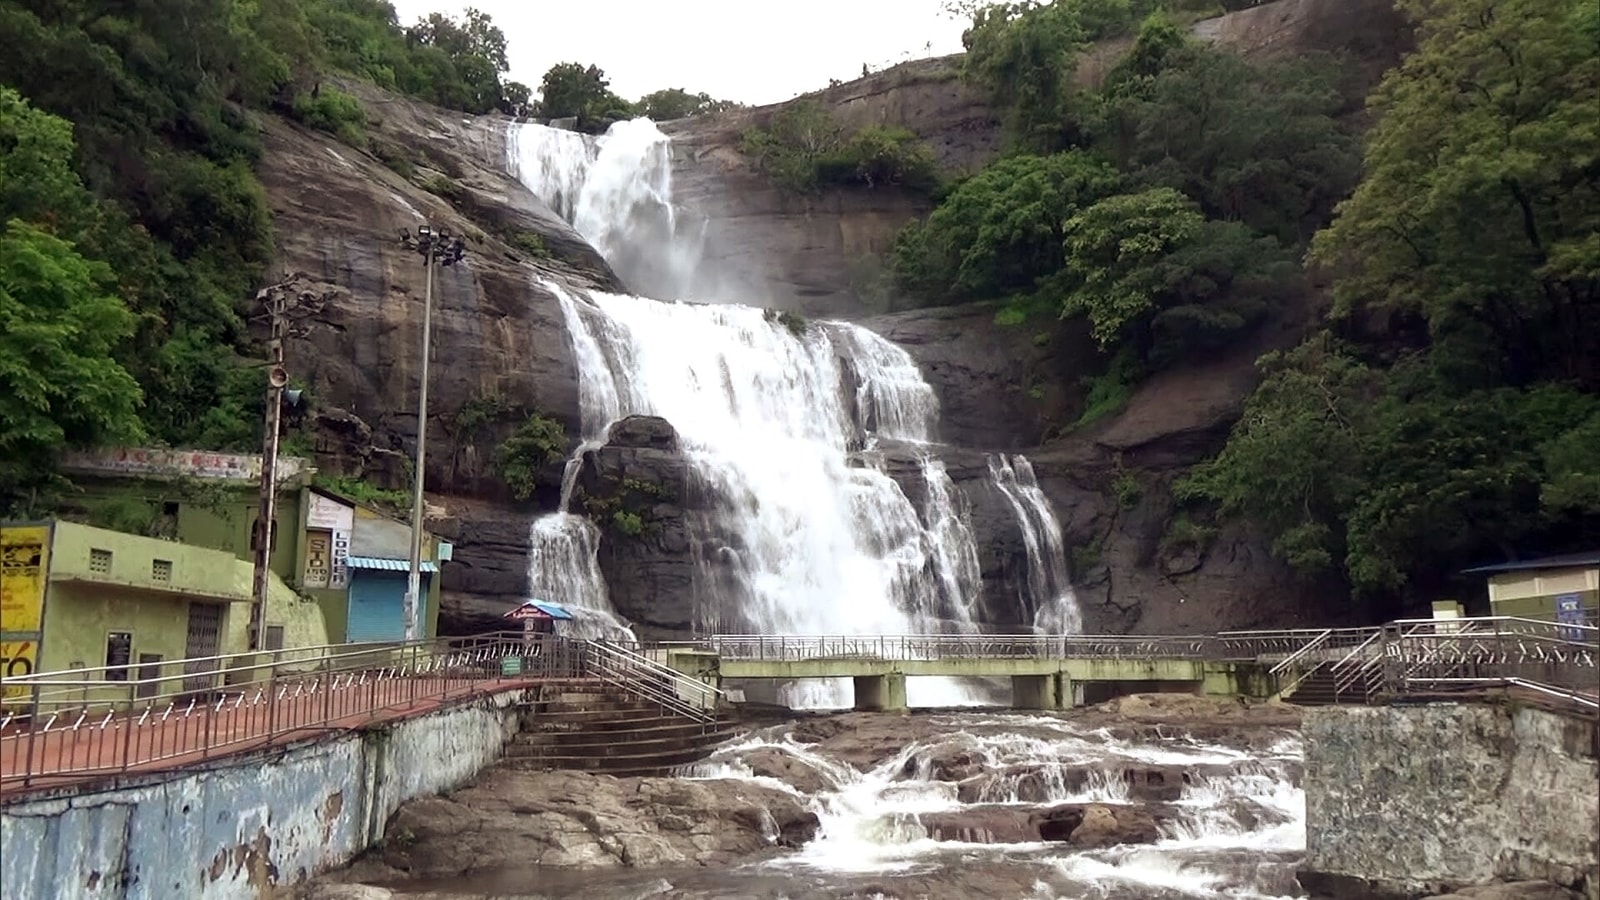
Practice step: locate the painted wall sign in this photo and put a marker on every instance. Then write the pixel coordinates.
(24, 570)
(319, 559)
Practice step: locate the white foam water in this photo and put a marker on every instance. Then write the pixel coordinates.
(1236, 832)
(616, 190)
(789, 429)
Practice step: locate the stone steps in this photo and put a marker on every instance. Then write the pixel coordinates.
(601, 729)
(666, 734)
(651, 762)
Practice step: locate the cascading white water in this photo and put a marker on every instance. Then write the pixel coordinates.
(616, 190)
(814, 538)
(1049, 592)
(1234, 826)
(786, 426)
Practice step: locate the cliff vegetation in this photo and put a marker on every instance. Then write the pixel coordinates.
(1444, 409)
(134, 228)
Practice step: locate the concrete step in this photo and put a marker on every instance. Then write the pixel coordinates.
(615, 763)
(598, 719)
(607, 743)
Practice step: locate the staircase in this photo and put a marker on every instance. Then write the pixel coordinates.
(601, 727)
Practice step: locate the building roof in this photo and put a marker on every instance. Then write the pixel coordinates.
(386, 565)
(1566, 561)
(538, 609)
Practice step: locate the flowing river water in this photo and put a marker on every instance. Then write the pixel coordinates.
(779, 423)
(978, 804)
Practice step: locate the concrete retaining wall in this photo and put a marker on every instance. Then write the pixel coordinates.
(1405, 799)
(237, 831)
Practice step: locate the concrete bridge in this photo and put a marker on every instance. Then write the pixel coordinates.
(1046, 671)
(1060, 671)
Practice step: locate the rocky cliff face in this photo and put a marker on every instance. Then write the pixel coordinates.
(357, 298)
(811, 254)
(498, 334)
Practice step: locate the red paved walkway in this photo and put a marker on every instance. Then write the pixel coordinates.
(73, 753)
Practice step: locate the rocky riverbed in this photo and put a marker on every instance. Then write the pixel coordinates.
(1149, 796)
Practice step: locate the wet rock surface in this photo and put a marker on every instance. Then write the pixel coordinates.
(513, 818)
(860, 805)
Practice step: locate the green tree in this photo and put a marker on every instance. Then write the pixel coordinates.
(537, 444)
(575, 90)
(1480, 209)
(1025, 54)
(1257, 143)
(1001, 231)
(1457, 418)
(677, 103)
(59, 383)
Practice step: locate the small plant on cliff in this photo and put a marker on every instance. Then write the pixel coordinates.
(626, 510)
(443, 186)
(537, 443)
(529, 242)
(789, 319)
(332, 110)
(628, 523)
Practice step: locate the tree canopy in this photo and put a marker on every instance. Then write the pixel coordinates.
(1449, 413)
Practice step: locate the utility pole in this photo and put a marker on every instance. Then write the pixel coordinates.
(277, 378)
(448, 251)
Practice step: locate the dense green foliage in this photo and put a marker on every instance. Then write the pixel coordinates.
(803, 149)
(135, 230)
(1450, 412)
(537, 444)
(1164, 208)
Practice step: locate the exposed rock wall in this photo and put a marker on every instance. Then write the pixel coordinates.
(1411, 799)
(356, 335)
(809, 253)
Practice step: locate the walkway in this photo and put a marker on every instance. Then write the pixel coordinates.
(80, 752)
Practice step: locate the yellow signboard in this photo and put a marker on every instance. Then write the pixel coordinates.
(24, 565)
(18, 658)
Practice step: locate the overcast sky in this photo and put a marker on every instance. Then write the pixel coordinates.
(751, 51)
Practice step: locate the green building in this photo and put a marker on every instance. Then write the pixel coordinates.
(80, 597)
(350, 559)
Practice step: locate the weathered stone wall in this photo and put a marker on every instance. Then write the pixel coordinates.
(235, 831)
(1411, 799)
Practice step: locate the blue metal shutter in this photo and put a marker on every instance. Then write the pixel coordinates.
(377, 604)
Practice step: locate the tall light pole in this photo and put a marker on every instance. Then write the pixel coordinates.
(440, 246)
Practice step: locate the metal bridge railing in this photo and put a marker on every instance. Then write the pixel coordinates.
(1556, 659)
(56, 726)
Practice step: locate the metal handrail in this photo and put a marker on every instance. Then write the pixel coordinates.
(74, 727)
(1294, 658)
(651, 681)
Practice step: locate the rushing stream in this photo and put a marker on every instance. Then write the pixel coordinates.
(977, 805)
(782, 424)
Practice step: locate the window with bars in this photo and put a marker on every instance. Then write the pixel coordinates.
(99, 561)
(161, 570)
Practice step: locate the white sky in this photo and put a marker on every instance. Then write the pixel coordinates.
(751, 51)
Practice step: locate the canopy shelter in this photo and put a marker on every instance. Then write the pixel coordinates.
(539, 616)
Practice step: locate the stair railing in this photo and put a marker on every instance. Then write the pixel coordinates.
(1291, 664)
(1358, 666)
(653, 682)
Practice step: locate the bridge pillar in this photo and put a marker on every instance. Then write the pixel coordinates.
(1038, 691)
(880, 693)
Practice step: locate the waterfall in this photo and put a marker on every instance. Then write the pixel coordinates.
(616, 190)
(798, 436)
(1048, 591)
